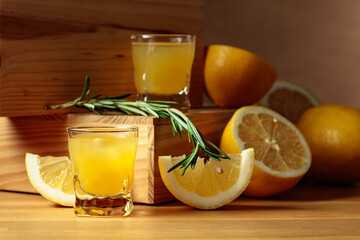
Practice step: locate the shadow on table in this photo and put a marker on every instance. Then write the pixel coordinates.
(310, 191)
(243, 206)
(303, 192)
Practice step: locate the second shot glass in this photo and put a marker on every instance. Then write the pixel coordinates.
(163, 64)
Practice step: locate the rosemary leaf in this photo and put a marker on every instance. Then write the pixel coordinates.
(106, 102)
(131, 110)
(89, 106)
(85, 91)
(152, 112)
(177, 118)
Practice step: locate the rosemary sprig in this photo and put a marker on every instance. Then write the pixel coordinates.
(159, 109)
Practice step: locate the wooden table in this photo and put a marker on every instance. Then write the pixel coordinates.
(305, 212)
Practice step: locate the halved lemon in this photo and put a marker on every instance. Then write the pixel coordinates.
(52, 177)
(289, 99)
(235, 77)
(212, 183)
(282, 156)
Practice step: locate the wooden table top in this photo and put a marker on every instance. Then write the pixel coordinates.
(305, 212)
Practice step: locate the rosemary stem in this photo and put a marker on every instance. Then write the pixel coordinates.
(159, 109)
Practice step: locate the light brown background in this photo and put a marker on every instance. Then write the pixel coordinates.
(312, 42)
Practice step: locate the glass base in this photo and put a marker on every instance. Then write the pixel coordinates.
(120, 205)
(183, 102)
(91, 205)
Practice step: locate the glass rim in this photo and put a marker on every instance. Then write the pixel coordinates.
(162, 37)
(102, 129)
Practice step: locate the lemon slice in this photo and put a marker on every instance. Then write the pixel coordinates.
(52, 177)
(282, 155)
(212, 183)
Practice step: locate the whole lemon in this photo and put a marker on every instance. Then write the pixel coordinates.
(333, 135)
(236, 77)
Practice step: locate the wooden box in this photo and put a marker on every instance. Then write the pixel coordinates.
(46, 135)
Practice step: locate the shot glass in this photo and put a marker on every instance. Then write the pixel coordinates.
(163, 64)
(103, 158)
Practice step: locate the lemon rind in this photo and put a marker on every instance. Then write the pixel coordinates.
(45, 190)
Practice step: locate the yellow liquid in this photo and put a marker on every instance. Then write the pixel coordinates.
(103, 164)
(162, 68)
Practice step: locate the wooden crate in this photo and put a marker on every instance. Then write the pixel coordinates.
(48, 47)
(46, 135)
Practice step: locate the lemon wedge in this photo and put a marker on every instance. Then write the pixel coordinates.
(212, 183)
(52, 177)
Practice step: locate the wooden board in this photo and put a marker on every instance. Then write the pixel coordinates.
(303, 213)
(48, 47)
(46, 135)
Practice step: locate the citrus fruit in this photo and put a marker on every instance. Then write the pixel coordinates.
(282, 156)
(212, 183)
(333, 134)
(289, 99)
(52, 177)
(235, 77)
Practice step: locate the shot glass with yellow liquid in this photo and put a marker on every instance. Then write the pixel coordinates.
(103, 160)
(162, 64)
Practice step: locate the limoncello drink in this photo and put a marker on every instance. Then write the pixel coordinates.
(103, 160)
(162, 66)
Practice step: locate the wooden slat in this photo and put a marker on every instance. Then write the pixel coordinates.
(48, 47)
